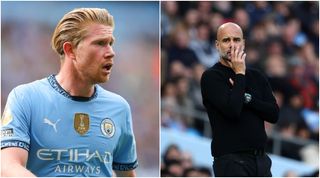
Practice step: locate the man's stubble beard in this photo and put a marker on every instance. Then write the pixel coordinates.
(225, 58)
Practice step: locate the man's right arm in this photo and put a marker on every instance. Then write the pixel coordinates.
(215, 89)
(217, 93)
(13, 162)
(15, 136)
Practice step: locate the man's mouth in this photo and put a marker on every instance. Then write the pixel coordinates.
(108, 66)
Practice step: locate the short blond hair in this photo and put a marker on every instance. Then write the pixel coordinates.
(71, 27)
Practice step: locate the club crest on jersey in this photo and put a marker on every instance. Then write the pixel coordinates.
(81, 123)
(107, 128)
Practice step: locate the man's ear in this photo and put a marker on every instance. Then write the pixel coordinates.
(217, 44)
(68, 50)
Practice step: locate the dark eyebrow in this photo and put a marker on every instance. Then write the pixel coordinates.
(112, 39)
(224, 39)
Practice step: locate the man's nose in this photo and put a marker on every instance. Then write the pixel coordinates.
(232, 45)
(109, 53)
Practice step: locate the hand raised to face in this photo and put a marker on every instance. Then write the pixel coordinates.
(238, 56)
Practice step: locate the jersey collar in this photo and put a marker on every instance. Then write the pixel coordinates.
(56, 86)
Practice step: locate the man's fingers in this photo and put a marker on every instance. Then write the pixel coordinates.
(243, 57)
(237, 60)
(237, 53)
(240, 55)
(232, 53)
(242, 49)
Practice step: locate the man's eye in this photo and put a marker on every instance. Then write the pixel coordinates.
(101, 43)
(111, 43)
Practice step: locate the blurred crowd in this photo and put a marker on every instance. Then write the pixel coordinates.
(282, 41)
(177, 163)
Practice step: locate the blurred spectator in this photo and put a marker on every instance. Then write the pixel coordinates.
(174, 168)
(184, 101)
(203, 48)
(195, 90)
(274, 47)
(177, 163)
(195, 95)
(191, 20)
(168, 104)
(258, 10)
(186, 160)
(282, 11)
(177, 69)
(291, 114)
(302, 79)
(180, 47)
(253, 58)
(172, 153)
(273, 29)
(216, 19)
(191, 172)
(204, 8)
(291, 35)
(169, 19)
(258, 38)
(314, 36)
(241, 16)
(197, 172)
(276, 70)
(223, 7)
(169, 16)
(205, 172)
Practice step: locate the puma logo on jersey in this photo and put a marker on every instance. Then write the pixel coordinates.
(49, 122)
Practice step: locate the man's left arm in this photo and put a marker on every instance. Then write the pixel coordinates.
(267, 107)
(125, 155)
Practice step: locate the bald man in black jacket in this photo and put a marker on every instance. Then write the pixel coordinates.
(238, 101)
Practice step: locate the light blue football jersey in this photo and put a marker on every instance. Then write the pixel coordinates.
(66, 135)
